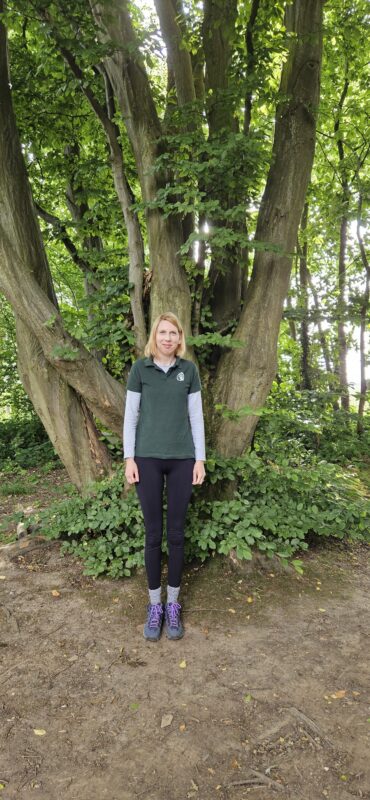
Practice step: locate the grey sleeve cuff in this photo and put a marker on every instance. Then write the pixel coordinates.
(132, 413)
(195, 412)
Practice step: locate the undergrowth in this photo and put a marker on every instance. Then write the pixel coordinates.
(275, 507)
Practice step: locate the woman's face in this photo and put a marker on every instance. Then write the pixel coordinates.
(167, 339)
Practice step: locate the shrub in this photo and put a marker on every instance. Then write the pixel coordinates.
(24, 443)
(275, 507)
(307, 421)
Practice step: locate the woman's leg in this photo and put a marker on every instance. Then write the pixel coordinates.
(150, 493)
(179, 488)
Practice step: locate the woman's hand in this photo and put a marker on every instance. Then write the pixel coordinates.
(131, 472)
(199, 473)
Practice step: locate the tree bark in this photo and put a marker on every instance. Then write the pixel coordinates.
(244, 375)
(26, 281)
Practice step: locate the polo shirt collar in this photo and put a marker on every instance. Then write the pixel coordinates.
(148, 362)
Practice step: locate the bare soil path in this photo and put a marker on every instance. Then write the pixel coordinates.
(266, 696)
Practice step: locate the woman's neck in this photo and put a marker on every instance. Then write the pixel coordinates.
(166, 362)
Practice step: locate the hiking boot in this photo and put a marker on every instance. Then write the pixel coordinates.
(153, 625)
(173, 625)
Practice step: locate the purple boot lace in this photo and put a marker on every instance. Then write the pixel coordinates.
(173, 614)
(155, 615)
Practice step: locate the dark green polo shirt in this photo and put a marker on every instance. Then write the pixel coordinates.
(163, 429)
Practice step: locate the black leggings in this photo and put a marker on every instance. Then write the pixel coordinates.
(179, 477)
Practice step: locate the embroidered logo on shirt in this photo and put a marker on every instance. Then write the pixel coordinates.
(180, 376)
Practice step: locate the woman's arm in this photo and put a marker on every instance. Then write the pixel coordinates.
(195, 412)
(132, 413)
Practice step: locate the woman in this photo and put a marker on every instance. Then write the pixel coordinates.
(164, 437)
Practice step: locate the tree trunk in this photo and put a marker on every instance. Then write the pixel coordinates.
(245, 374)
(364, 318)
(169, 289)
(322, 336)
(26, 281)
(303, 305)
(225, 277)
(341, 307)
(341, 367)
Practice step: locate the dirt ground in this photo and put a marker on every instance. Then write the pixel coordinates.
(266, 696)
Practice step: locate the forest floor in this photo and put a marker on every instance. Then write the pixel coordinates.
(266, 696)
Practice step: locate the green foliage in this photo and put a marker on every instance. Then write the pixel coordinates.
(275, 507)
(304, 422)
(63, 352)
(24, 443)
(104, 528)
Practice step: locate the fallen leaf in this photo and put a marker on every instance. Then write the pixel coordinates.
(55, 593)
(194, 785)
(39, 731)
(232, 610)
(338, 695)
(166, 720)
(182, 727)
(248, 698)
(211, 771)
(250, 599)
(235, 764)
(182, 664)
(322, 609)
(115, 600)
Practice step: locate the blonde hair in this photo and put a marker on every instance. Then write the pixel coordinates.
(151, 349)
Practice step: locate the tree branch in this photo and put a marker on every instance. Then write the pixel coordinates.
(251, 63)
(61, 233)
(178, 56)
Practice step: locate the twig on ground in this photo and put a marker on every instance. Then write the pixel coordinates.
(259, 779)
(309, 724)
